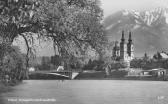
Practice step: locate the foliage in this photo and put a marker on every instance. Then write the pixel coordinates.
(101, 65)
(13, 63)
(16, 19)
(75, 63)
(72, 25)
(94, 65)
(56, 60)
(157, 56)
(118, 65)
(146, 63)
(136, 63)
(45, 63)
(141, 63)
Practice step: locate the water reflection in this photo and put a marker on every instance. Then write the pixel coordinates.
(87, 92)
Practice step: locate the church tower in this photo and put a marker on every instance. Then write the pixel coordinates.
(130, 47)
(123, 48)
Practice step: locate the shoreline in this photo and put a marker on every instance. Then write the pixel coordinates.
(125, 78)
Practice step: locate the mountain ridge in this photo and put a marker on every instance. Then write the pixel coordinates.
(150, 29)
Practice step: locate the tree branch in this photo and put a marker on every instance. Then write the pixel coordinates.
(28, 50)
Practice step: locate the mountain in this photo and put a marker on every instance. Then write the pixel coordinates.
(149, 28)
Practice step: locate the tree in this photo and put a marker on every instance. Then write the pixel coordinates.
(136, 63)
(17, 19)
(118, 65)
(146, 57)
(56, 60)
(157, 56)
(45, 63)
(13, 64)
(72, 25)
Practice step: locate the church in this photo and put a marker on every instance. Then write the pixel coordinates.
(124, 51)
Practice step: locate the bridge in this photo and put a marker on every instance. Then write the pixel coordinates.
(53, 74)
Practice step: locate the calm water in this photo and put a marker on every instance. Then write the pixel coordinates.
(87, 92)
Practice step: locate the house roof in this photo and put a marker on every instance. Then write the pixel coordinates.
(164, 55)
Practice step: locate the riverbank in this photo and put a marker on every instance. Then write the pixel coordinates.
(116, 76)
(98, 75)
(126, 78)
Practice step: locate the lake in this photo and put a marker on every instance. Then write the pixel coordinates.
(87, 92)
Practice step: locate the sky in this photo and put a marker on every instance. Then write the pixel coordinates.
(112, 6)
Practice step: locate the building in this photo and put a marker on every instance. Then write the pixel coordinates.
(124, 51)
(164, 55)
(158, 72)
(32, 69)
